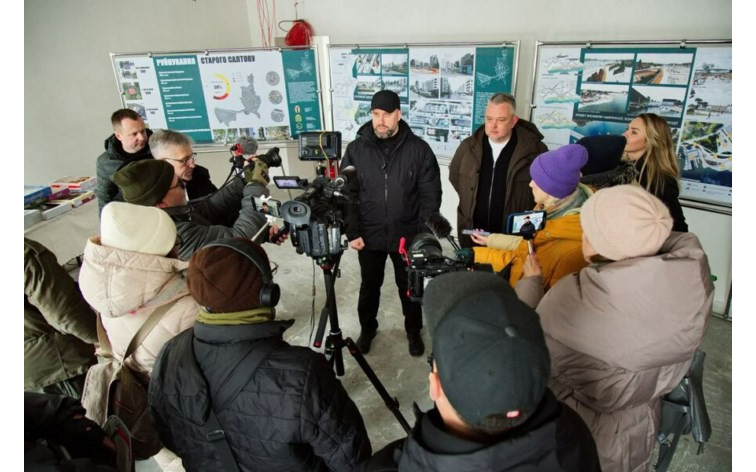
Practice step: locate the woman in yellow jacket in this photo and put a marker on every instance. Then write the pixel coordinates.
(557, 190)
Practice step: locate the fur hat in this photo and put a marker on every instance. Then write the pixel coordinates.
(557, 172)
(145, 182)
(625, 221)
(137, 228)
(224, 280)
(489, 349)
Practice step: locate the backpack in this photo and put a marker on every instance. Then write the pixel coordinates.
(111, 388)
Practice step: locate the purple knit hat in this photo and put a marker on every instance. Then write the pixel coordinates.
(557, 172)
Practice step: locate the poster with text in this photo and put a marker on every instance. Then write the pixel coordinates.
(438, 87)
(216, 97)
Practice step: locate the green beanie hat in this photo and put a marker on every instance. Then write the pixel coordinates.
(144, 182)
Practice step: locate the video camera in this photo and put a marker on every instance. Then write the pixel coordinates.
(247, 147)
(316, 217)
(425, 259)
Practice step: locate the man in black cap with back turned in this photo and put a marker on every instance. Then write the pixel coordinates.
(399, 187)
(489, 371)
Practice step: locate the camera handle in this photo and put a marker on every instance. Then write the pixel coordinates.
(335, 342)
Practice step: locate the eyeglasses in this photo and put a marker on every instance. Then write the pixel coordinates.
(186, 160)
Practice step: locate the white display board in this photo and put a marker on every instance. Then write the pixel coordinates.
(217, 96)
(443, 88)
(585, 90)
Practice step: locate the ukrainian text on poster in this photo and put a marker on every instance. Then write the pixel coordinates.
(217, 97)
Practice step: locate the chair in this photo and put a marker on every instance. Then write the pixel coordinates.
(684, 412)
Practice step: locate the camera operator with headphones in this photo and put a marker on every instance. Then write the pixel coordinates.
(229, 212)
(231, 394)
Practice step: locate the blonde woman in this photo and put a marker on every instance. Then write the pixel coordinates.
(649, 146)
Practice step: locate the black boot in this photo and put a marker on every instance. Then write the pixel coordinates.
(416, 345)
(363, 342)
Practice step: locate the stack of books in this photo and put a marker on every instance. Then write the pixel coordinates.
(42, 202)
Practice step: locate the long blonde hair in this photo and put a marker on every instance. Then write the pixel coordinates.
(659, 160)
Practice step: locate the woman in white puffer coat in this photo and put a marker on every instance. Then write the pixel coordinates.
(128, 272)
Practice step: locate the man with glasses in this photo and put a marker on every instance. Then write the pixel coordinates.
(155, 182)
(176, 149)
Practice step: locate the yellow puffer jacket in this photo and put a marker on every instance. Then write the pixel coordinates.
(558, 247)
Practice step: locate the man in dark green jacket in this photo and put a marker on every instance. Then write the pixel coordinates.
(59, 326)
(127, 144)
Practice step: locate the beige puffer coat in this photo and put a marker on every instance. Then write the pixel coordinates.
(125, 287)
(623, 334)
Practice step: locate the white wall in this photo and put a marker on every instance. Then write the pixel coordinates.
(70, 89)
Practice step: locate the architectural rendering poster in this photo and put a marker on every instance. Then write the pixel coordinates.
(585, 92)
(217, 97)
(443, 89)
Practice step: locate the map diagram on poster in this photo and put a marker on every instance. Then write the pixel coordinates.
(441, 88)
(590, 91)
(216, 97)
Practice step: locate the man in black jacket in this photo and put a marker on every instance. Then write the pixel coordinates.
(154, 183)
(288, 413)
(399, 187)
(489, 371)
(131, 142)
(176, 149)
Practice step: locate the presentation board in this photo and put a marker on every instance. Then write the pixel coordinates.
(443, 88)
(585, 90)
(215, 96)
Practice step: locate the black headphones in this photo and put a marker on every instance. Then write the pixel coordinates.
(270, 292)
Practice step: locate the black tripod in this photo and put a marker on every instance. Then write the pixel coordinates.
(335, 342)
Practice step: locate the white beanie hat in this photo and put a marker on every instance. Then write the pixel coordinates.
(137, 228)
(625, 221)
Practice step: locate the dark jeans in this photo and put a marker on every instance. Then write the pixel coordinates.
(372, 266)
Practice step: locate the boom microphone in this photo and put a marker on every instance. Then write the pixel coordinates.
(441, 228)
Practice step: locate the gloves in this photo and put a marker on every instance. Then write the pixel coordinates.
(467, 255)
(257, 172)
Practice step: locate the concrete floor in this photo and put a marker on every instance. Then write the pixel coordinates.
(406, 377)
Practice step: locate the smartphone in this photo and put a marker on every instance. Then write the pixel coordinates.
(289, 182)
(473, 231)
(268, 206)
(526, 223)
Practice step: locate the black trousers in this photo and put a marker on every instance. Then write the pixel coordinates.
(372, 266)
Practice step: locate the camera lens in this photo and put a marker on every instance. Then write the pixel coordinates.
(298, 210)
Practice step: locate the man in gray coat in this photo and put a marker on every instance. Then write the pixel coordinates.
(155, 183)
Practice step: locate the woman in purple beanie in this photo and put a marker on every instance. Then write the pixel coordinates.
(557, 190)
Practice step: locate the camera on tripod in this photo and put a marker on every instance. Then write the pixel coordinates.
(315, 218)
(426, 260)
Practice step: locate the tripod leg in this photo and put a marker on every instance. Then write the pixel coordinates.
(391, 403)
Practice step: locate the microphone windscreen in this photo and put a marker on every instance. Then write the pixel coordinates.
(439, 225)
(248, 145)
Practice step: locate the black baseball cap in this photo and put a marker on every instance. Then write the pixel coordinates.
(385, 100)
(489, 349)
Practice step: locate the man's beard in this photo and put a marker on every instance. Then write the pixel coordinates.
(387, 134)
